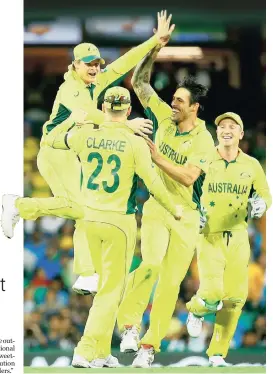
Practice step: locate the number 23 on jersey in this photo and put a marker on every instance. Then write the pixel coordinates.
(112, 183)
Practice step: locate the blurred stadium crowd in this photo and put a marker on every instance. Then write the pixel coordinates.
(54, 315)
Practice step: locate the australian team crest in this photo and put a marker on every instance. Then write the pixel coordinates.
(245, 175)
(169, 130)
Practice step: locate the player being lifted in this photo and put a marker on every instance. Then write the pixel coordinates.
(110, 158)
(182, 157)
(84, 86)
(233, 181)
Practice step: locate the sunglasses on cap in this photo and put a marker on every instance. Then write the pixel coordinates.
(117, 100)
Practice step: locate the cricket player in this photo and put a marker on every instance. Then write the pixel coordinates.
(110, 157)
(84, 86)
(234, 181)
(182, 154)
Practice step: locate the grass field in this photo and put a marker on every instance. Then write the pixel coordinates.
(161, 370)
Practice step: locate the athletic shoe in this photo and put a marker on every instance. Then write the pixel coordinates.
(217, 361)
(80, 362)
(86, 285)
(194, 325)
(108, 362)
(10, 215)
(129, 340)
(144, 358)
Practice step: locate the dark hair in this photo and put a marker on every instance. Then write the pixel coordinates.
(198, 91)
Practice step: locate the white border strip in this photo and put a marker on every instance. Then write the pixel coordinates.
(11, 173)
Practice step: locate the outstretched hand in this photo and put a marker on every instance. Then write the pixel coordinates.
(164, 30)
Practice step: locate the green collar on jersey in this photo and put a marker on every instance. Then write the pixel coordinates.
(229, 162)
(237, 159)
(200, 126)
(177, 133)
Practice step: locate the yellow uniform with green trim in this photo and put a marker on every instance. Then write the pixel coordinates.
(167, 246)
(61, 170)
(223, 251)
(226, 191)
(192, 147)
(111, 157)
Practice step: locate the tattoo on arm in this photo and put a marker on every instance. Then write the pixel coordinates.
(142, 76)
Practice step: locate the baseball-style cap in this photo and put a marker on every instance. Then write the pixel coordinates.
(117, 98)
(87, 52)
(231, 115)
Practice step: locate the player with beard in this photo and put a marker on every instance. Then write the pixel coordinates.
(181, 154)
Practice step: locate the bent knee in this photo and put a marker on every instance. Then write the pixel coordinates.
(212, 293)
(234, 303)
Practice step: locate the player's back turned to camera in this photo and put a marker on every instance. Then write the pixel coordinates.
(110, 157)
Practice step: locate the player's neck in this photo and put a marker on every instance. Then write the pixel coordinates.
(187, 125)
(228, 153)
(119, 119)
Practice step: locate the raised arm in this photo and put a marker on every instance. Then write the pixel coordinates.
(130, 59)
(142, 76)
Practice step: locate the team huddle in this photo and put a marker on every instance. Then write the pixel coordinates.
(200, 199)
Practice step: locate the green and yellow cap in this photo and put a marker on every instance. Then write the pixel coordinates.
(117, 98)
(87, 52)
(231, 115)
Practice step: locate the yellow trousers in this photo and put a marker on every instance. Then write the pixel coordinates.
(62, 171)
(167, 248)
(112, 239)
(223, 270)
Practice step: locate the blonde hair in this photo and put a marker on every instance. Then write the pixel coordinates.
(73, 64)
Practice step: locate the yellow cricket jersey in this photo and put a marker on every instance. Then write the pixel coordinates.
(226, 190)
(74, 93)
(111, 157)
(194, 147)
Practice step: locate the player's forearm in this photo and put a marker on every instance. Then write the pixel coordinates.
(180, 174)
(142, 76)
(160, 193)
(130, 59)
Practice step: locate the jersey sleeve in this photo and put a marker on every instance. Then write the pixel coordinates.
(203, 150)
(125, 63)
(146, 171)
(260, 184)
(157, 110)
(57, 137)
(75, 139)
(67, 96)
